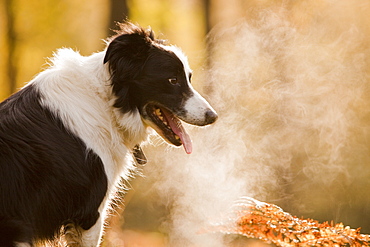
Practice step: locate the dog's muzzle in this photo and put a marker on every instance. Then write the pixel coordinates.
(166, 121)
(197, 111)
(210, 117)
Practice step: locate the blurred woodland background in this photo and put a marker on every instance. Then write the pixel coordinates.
(290, 81)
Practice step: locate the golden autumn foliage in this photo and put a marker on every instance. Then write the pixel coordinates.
(269, 223)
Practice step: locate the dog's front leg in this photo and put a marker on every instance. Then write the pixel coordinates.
(75, 236)
(93, 236)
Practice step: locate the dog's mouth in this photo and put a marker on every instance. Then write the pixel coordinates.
(168, 126)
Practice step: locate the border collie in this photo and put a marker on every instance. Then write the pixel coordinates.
(68, 136)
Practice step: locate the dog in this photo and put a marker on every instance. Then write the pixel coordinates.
(67, 137)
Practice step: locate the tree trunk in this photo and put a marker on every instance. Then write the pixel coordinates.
(207, 87)
(118, 13)
(11, 39)
(207, 15)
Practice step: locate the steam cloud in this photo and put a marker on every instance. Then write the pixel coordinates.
(291, 88)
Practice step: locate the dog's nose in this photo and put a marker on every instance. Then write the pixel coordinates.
(211, 116)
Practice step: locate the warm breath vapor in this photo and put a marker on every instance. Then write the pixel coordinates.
(290, 84)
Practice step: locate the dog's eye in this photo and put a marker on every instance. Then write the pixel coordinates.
(173, 80)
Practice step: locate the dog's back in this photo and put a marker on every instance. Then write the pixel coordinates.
(47, 174)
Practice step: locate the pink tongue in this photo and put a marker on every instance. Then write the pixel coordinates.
(179, 130)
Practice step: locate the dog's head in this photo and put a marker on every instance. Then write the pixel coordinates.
(154, 79)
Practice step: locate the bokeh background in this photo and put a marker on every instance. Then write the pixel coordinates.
(289, 79)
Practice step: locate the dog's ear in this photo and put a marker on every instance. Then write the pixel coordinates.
(134, 46)
(126, 55)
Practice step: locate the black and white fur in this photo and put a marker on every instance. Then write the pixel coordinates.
(66, 138)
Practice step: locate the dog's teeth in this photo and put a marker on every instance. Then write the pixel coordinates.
(158, 112)
(163, 120)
